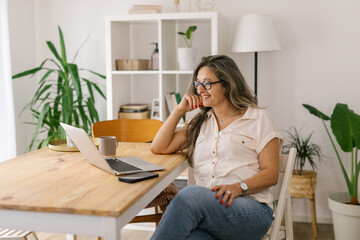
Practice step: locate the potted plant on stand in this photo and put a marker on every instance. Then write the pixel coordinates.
(345, 126)
(303, 182)
(62, 96)
(187, 56)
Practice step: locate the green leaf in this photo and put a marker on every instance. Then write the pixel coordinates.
(345, 125)
(95, 73)
(181, 33)
(190, 30)
(53, 50)
(316, 112)
(28, 72)
(73, 69)
(62, 45)
(77, 52)
(46, 75)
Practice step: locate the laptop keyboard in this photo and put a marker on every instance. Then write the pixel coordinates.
(120, 166)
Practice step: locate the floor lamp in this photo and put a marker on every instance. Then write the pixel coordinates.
(255, 33)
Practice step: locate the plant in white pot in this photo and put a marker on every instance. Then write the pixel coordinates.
(187, 56)
(303, 182)
(345, 207)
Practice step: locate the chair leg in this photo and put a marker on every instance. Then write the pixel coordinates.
(156, 212)
(313, 213)
(288, 219)
(71, 237)
(100, 238)
(34, 236)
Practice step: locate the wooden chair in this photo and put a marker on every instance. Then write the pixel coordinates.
(8, 234)
(128, 130)
(131, 130)
(282, 196)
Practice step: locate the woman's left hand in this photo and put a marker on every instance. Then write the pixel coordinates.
(229, 192)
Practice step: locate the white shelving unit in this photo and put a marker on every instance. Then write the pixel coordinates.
(129, 37)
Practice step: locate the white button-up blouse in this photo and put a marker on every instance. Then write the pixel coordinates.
(231, 155)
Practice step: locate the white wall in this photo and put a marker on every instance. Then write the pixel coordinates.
(318, 64)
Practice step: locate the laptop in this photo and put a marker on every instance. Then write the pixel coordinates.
(116, 166)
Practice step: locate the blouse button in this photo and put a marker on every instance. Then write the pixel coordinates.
(243, 142)
(213, 152)
(215, 138)
(212, 176)
(213, 162)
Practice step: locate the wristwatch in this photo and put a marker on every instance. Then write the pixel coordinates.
(244, 187)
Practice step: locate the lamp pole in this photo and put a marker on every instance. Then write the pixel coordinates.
(256, 55)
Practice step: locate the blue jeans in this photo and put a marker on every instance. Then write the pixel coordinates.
(195, 213)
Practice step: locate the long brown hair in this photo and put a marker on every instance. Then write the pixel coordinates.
(237, 92)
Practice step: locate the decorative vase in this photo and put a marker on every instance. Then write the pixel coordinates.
(346, 217)
(187, 58)
(69, 142)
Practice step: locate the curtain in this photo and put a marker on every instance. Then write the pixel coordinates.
(7, 114)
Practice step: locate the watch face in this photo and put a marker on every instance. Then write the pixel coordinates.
(244, 186)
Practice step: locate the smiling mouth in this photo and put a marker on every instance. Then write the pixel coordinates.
(205, 97)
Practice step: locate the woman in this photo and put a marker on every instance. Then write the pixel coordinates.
(234, 150)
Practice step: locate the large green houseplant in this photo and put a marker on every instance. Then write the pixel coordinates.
(345, 125)
(62, 96)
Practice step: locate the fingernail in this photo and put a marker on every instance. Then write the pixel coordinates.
(227, 205)
(213, 189)
(199, 106)
(192, 107)
(217, 196)
(221, 202)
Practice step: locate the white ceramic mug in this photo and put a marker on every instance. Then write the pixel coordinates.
(108, 145)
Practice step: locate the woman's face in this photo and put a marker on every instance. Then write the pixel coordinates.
(216, 94)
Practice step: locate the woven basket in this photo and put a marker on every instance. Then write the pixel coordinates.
(132, 64)
(303, 186)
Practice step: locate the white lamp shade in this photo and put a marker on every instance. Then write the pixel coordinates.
(255, 33)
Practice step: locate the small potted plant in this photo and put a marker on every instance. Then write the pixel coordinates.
(187, 56)
(303, 182)
(345, 207)
(306, 151)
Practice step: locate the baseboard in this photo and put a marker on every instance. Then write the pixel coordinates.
(307, 219)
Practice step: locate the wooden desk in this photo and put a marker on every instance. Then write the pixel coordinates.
(60, 192)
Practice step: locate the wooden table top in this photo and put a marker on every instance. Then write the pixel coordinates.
(50, 181)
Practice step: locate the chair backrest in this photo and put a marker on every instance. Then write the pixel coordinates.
(128, 130)
(281, 194)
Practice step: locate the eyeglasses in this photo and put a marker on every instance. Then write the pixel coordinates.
(207, 85)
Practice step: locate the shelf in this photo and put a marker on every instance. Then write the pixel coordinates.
(177, 72)
(135, 72)
(152, 72)
(130, 36)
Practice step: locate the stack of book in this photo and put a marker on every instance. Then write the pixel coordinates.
(134, 111)
(145, 9)
(172, 100)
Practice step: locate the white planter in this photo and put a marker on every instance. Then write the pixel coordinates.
(187, 58)
(346, 217)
